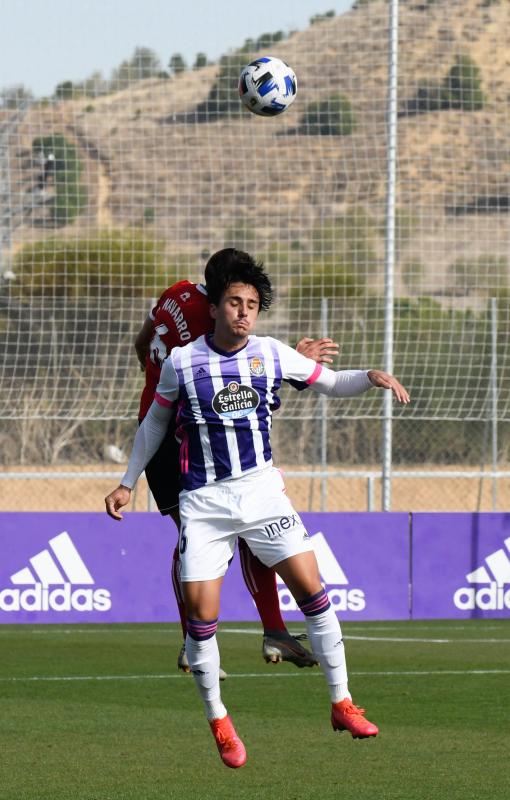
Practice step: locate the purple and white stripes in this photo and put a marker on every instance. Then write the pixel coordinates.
(225, 404)
(315, 604)
(200, 630)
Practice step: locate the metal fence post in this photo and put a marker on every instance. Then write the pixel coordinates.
(494, 397)
(324, 416)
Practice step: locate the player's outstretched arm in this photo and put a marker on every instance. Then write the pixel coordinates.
(386, 381)
(116, 500)
(321, 350)
(353, 382)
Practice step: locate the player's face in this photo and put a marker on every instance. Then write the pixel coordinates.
(236, 313)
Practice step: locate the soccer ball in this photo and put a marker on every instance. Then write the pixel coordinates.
(267, 86)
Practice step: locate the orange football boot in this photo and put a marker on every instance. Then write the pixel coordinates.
(345, 716)
(231, 748)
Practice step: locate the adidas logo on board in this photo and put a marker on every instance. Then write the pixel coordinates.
(58, 566)
(333, 577)
(493, 575)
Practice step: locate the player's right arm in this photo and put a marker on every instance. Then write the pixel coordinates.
(148, 438)
(143, 340)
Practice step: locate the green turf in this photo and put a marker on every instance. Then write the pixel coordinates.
(443, 735)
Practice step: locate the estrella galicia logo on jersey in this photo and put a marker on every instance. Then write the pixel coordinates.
(257, 367)
(235, 400)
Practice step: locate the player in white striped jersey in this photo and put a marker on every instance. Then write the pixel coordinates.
(225, 386)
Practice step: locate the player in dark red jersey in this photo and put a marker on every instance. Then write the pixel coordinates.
(180, 316)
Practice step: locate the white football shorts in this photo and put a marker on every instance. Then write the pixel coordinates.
(254, 507)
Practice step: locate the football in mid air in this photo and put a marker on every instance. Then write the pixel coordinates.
(267, 86)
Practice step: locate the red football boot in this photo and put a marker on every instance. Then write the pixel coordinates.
(230, 746)
(345, 716)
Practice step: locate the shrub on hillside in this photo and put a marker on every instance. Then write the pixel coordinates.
(460, 89)
(121, 264)
(334, 117)
(484, 274)
(223, 98)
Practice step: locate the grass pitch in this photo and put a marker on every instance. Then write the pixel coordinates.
(100, 713)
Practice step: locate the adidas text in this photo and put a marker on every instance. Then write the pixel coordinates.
(488, 598)
(340, 599)
(41, 598)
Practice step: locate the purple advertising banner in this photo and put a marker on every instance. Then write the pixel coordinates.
(87, 568)
(364, 565)
(461, 565)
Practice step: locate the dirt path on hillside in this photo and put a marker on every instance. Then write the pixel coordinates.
(104, 215)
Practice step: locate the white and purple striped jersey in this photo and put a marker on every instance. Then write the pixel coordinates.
(225, 402)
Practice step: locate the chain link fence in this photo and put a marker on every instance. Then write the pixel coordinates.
(111, 190)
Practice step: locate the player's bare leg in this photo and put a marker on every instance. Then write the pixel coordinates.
(277, 644)
(203, 604)
(301, 574)
(182, 658)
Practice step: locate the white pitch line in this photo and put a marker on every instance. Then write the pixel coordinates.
(258, 632)
(406, 639)
(174, 676)
(410, 639)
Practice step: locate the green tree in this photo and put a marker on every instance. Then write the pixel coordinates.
(70, 192)
(95, 85)
(177, 64)
(334, 116)
(15, 96)
(322, 17)
(144, 63)
(66, 90)
(462, 87)
(200, 61)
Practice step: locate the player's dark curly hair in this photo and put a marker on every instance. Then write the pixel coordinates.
(229, 266)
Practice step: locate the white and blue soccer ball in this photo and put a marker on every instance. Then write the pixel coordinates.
(267, 86)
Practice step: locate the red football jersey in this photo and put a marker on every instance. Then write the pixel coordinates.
(180, 316)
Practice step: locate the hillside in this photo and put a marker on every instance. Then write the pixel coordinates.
(199, 184)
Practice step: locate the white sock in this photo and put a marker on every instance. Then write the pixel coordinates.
(204, 662)
(325, 637)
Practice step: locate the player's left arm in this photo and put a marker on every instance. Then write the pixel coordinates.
(384, 380)
(353, 382)
(344, 383)
(143, 340)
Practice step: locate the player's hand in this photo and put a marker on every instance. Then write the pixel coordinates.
(321, 350)
(117, 499)
(386, 381)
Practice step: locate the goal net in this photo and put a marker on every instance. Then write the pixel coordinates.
(114, 188)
